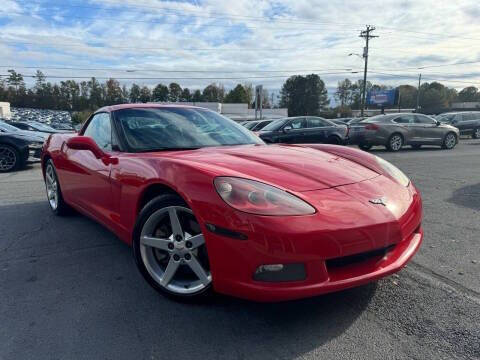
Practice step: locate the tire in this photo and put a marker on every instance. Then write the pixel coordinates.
(10, 159)
(476, 133)
(172, 258)
(449, 141)
(365, 147)
(54, 193)
(334, 140)
(416, 147)
(395, 142)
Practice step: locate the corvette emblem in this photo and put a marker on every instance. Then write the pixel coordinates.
(379, 201)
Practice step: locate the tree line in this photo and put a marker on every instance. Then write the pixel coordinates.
(90, 95)
(302, 95)
(433, 95)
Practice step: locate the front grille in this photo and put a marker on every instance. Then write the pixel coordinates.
(357, 258)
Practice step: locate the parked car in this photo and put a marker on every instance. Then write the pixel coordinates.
(260, 125)
(35, 135)
(396, 130)
(250, 124)
(304, 130)
(206, 205)
(468, 122)
(15, 150)
(35, 126)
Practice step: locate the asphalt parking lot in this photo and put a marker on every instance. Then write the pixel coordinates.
(70, 290)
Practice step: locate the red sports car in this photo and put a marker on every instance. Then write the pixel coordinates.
(206, 205)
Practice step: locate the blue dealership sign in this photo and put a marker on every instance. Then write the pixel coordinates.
(381, 97)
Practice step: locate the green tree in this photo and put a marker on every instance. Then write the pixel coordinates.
(344, 92)
(237, 95)
(160, 93)
(145, 94)
(175, 91)
(197, 96)
(407, 96)
(15, 80)
(134, 93)
(469, 94)
(213, 93)
(114, 93)
(186, 96)
(304, 95)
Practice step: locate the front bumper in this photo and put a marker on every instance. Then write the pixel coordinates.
(344, 226)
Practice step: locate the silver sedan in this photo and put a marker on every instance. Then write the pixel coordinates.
(396, 130)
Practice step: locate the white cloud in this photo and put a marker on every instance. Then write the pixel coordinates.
(319, 35)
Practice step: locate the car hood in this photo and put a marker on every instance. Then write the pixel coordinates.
(29, 135)
(289, 167)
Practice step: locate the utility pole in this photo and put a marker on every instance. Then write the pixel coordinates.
(418, 92)
(366, 34)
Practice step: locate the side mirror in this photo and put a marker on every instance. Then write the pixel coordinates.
(437, 123)
(85, 143)
(287, 128)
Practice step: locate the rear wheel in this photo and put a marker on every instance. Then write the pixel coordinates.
(449, 141)
(9, 158)
(476, 133)
(365, 147)
(169, 249)
(395, 142)
(335, 140)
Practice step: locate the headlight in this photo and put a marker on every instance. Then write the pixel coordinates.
(394, 172)
(258, 198)
(35, 145)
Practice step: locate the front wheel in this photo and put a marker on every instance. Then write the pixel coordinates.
(395, 142)
(169, 249)
(450, 141)
(54, 193)
(476, 133)
(9, 158)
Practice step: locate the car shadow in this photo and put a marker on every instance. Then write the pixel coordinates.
(69, 283)
(467, 196)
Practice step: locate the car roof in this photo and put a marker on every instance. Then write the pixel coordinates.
(145, 106)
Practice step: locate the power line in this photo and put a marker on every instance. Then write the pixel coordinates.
(174, 78)
(425, 78)
(156, 48)
(169, 71)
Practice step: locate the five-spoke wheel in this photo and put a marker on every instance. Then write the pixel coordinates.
(170, 249)
(8, 158)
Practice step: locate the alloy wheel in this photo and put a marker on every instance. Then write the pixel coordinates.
(52, 186)
(8, 159)
(476, 134)
(172, 248)
(396, 142)
(450, 141)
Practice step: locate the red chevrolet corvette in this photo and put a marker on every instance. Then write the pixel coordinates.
(206, 205)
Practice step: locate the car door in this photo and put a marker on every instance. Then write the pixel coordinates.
(86, 179)
(407, 121)
(293, 132)
(316, 131)
(460, 122)
(428, 130)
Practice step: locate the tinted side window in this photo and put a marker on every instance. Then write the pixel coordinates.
(316, 122)
(404, 119)
(100, 130)
(422, 119)
(297, 123)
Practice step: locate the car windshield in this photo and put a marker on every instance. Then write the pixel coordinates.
(275, 125)
(7, 127)
(41, 126)
(446, 118)
(150, 129)
(250, 124)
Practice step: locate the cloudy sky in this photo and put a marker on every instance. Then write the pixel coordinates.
(258, 41)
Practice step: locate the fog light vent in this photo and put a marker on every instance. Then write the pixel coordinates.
(280, 272)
